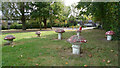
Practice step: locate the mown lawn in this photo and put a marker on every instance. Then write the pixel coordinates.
(30, 50)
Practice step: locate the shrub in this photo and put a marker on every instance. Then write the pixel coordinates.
(3, 28)
(16, 26)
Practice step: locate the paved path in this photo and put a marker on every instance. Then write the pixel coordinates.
(75, 28)
(33, 30)
(20, 30)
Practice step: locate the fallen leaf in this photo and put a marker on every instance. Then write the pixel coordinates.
(103, 60)
(62, 57)
(29, 58)
(112, 50)
(21, 55)
(12, 45)
(108, 61)
(85, 65)
(90, 55)
(36, 64)
(116, 55)
(66, 63)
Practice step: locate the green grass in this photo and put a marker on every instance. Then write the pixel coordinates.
(47, 51)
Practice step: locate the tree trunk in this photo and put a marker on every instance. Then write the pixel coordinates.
(45, 23)
(23, 16)
(40, 22)
(51, 23)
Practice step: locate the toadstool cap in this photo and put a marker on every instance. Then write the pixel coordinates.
(9, 37)
(38, 32)
(59, 31)
(109, 33)
(76, 40)
(80, 28)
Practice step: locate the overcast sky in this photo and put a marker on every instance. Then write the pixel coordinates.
(70, 2)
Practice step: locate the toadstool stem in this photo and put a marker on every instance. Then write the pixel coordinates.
(59, 36)
(76, 49)
(38, 35)
(10, 41)
(109, 37)
(78, 33)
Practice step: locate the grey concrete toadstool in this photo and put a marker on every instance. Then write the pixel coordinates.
(59, 31)
(78, 32)
(76, 41)
(9, 38)
(38, 33)
(109, 34)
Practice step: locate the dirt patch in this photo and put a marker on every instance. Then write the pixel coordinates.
(65, 52)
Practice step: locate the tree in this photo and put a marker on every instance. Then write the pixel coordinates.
(45, 11)
(40, 10)
(56, 11)
(106, 12)
(16, 10)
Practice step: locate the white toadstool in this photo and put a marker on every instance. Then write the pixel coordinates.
(109, 34)
(59, 31)
(79, 31)
(38, 33)
(76, 41)
(9, 38)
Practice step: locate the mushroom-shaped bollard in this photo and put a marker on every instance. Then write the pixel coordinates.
(59, 31)
(79, 31)
(38, 33)
(76, 41)
(9, 39)
(109, 34)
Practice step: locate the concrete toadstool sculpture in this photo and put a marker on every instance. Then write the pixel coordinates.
(9, 39)
(79, 31)
(59, 31)
(38, 33)
(109, 34)
(76, 41)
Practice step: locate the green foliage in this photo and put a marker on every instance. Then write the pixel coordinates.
(16, 26)
(16, 10)
(46, 10)
(41, 9)
(3, 28)
(4, 25)
(105, 12)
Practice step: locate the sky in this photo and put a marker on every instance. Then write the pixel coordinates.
(0, 13)
(70, 2)
(66, 2)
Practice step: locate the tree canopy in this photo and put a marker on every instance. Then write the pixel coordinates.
(105, 12)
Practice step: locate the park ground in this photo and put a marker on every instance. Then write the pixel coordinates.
(30, 50)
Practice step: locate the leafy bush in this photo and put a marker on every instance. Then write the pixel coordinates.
(16, 26)
(3, 28)
(48, 25)
(4, 25)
